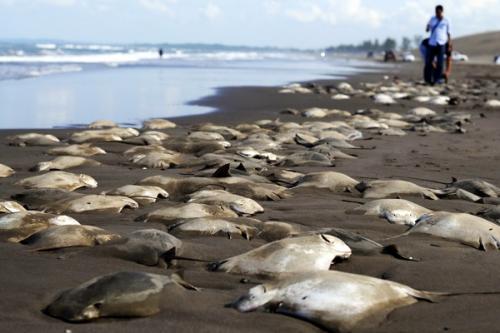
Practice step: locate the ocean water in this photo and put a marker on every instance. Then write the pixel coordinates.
(46, 85)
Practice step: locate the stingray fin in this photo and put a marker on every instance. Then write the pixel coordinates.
(429, 296)
(241, 167)
(394, 251)
(223, 171)
(142, 218)
(245, 234)
(430, 195)
(178, 279)
(486, 246)
(272, 197)
(169, 255)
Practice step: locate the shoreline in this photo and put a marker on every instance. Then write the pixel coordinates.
(31, 279)
(188, 103)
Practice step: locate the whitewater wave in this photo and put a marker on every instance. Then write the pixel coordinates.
(28, 59)
(142, 56)
(19, 72)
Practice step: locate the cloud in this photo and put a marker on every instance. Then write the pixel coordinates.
(311, 13)
(211, 11)
(272, 7)
(335, 12)
(163, 6)
(59, 3)
(56, 3)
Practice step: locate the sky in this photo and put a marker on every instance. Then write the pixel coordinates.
(284, 23)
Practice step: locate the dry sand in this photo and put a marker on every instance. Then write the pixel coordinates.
(481, 47)
(28, 280)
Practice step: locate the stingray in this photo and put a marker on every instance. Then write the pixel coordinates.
(332, 152)
(123, 294)
(19, 225)
(239, 204)
(146, 139)
(171, 215)
(144, 195)
(92, 203)
(211, 226)
(84, 150)
(306, 158)
(333, 181)
(379, 189)
(110, 134)
(33, 139)
(149, 247)
(205, 136)
(11, 207)
(276, 230)
(39, 198)
(157, 124)
(227, 132)
(361, 245)
(478, 187)
(283, 177)
(5, 171)
(157, 160)
(58, 237)
(179, 188)
(491, 214)
(289, 255)
(65, 162)
(58, 180)
(459, 227)
(197, 148)
(397, 211)
(335, 301)
(102, 123)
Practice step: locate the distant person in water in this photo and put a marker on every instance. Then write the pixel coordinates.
(160, 53)
(438, 45)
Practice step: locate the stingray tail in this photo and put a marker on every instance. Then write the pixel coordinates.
(394, 251)
(171, 255)
(179, 279)
(435, 297)
(214, 266)
(397, 236)
(143, 218)
(428, 296)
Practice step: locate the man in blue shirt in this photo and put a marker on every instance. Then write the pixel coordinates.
(439, 40)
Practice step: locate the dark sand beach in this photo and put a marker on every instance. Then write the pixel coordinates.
(29, 280)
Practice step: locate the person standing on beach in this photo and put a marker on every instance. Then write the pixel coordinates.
(439, 41)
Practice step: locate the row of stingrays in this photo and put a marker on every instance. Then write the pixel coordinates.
(220, 197)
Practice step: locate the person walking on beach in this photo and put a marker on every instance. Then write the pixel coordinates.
(439, 44)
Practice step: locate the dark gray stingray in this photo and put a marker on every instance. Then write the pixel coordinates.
(37, 199)
(361, 245)
(149, 247)
(197, 148)
(123, 294)
(476, 186)
(306, 158)
(492, 214)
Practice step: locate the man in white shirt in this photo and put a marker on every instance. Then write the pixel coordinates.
(439, 40)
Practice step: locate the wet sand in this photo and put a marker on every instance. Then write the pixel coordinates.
(29, 280)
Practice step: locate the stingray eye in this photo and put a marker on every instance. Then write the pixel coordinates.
(98, 305)
(325, 238)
